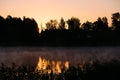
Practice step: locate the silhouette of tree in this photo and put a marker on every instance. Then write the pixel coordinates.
(9, 17)
(62, 24)
(15, 31)
(52, 24)
(73, 23)
(116, 21)
(2, 23)
(30, 29)
(105, 23)
(87, 26)
(2, 29)
(101, 24)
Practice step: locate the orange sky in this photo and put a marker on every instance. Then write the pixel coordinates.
(44, 10)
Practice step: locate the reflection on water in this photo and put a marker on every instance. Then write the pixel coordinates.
(47, 66)
(75, 55)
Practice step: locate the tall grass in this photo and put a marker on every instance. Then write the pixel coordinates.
(97, 71)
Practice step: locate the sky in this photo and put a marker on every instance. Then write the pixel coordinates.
(44, 10)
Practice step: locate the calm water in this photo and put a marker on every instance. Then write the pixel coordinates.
(30, 55)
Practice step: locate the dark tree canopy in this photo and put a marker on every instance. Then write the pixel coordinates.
(116, 21)
(52, 24)
(101, 24)
(73, 23)
(88, 26)
(62, 24)
(17, 31)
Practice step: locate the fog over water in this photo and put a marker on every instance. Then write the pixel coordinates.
(30, 55)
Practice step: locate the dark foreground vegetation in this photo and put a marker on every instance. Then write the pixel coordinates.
(96, 71)
(17, 31)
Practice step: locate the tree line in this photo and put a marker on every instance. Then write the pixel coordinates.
(17, 31)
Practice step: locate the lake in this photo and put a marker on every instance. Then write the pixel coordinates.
(30, 55)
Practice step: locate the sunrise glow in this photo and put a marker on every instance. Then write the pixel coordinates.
(47, 66)
(44, 10)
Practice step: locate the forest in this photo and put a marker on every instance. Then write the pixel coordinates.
(15, 31)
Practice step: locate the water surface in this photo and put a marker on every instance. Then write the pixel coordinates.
(30, 55)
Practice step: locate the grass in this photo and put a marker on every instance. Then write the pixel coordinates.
(97, 71)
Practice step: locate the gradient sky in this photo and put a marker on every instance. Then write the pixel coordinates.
(44, 10)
